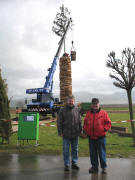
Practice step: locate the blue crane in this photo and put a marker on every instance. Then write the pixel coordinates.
(45, 102)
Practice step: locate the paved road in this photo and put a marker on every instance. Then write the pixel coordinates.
(41, 167)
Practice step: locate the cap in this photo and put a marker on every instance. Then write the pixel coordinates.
(95, 101)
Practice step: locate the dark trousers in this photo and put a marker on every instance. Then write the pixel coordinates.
(98, 152)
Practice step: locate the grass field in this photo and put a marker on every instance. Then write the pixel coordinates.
(51, 143)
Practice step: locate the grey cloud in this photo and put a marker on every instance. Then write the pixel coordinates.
(23, 28)
(35, 37)
(20, 27)
(26, 26)
(91, 83)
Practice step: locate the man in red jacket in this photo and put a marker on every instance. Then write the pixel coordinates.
(96, 124)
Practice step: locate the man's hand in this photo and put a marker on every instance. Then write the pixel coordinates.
(61, 135)
(83, 135)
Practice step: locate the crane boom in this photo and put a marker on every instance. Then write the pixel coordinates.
(49, 78)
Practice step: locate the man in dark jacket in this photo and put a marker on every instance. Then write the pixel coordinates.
(96, 124)
(69, 128)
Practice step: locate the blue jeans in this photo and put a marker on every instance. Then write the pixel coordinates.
(74, 150)
(98, 149)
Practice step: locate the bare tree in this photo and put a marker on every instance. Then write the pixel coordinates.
(123, 71)
(60, 22)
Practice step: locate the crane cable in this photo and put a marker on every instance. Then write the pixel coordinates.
(72, 34)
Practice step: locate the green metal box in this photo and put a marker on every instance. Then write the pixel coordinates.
(28, 126)
(84, 107)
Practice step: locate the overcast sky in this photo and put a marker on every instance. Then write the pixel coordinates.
(28, 45)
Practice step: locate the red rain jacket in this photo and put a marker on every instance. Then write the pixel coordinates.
(96, 124)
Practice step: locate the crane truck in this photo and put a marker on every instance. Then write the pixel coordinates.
(45, 103)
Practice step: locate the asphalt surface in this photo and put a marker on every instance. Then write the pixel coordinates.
(42, 167)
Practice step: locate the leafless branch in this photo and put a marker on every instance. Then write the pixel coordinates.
(123, 70)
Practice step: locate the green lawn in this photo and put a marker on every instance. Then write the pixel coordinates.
(51, 143)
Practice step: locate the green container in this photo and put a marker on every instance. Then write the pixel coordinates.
(85, 106)
(28, 126)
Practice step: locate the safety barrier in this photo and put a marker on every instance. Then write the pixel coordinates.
(122, 121)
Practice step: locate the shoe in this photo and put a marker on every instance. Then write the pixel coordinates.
(74, 166)
(104, 171)
(66, 168)
(93, 170)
